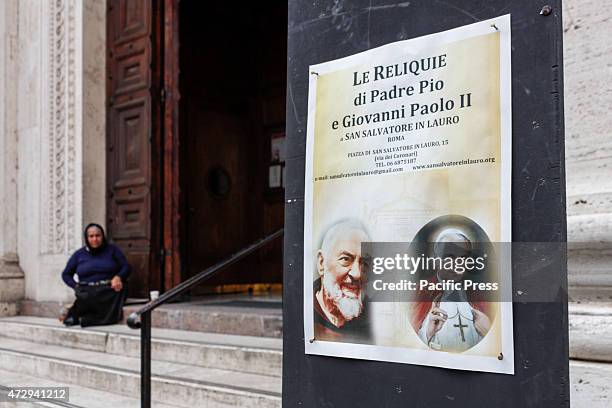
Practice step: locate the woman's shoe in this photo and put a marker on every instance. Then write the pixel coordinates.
(70, 321)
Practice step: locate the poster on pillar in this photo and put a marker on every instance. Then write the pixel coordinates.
(407, 202)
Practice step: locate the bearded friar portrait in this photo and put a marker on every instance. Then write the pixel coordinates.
(340, 310)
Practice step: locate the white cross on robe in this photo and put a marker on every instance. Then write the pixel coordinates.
(458, 332)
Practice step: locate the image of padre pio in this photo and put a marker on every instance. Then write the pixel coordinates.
(340, 310)
(450, 317)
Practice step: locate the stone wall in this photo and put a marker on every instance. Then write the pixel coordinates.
(588, 139)
(58, 155)
(94, 111)
(11, 275)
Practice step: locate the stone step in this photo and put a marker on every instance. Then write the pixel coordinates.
(227, 314)
(79, 397)
(258, 318)
(591, 384)
(590, 331)
(229, 352)
(172, 383)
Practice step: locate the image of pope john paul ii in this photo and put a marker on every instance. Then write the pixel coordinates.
(454, 320)
(340, 308)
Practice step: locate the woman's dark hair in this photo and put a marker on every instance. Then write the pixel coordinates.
(87, 246)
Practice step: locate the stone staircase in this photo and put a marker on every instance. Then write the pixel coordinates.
(101, 365)
(196, 363)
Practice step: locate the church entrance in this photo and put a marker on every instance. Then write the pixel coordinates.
(232, 79)
(195, 135)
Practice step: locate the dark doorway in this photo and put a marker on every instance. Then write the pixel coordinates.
(231, 132)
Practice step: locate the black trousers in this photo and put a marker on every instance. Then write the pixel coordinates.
(97, 305)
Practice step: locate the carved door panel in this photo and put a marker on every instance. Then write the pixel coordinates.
(131, 137)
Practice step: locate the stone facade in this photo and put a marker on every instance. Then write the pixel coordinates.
(11, 275)
(52, 140)
(588, 124)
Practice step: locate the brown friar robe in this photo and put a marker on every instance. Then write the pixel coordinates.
(354, 331)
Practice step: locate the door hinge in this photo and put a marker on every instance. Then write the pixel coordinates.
(162, 95)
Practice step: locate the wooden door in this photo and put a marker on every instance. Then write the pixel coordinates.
(232, 103)
(217, 197)
(132, 138)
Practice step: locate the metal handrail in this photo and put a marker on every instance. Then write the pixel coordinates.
(141, 319)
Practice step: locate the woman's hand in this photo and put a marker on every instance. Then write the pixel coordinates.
(116, 284)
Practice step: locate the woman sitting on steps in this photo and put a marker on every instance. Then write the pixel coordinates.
(102, 272)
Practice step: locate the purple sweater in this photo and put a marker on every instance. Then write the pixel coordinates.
(93, 268)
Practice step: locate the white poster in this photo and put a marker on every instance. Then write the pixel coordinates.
(408, 174)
